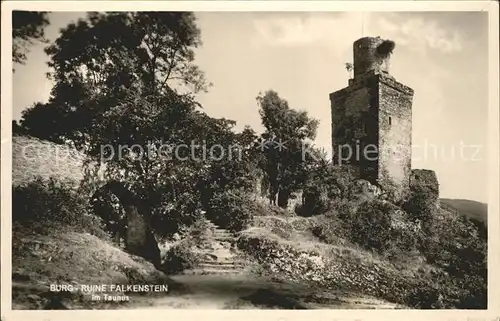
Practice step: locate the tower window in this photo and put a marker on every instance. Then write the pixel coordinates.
(390, 121)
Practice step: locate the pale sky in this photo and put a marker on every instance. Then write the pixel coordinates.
(443, 56)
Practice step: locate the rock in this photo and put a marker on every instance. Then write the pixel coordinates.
(365, 188)
(33, 297)
(55, 304)
(20, 276)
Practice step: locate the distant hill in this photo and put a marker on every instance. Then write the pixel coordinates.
(472, 209)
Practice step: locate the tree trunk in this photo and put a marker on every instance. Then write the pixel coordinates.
(139, 238)
(283, 198)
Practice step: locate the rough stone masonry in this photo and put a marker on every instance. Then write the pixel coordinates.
(372, 120)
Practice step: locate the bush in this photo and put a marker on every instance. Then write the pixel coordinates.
(315, 201)
(459, 247)
(199, 231)
(326, 184)
(422, 205)
(370, 225)
(181, 257)
(373, 224)
(230, 210)
(330, 230)
(43, 203)
(171, 215)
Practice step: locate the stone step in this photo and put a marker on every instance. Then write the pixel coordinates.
(222, 233)
(218, 238)
(212, 272)
(225, 238)
(205, 265)
(219, 267)
(222, 260)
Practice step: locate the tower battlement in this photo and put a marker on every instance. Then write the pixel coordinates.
(371, 55)
(371, 119)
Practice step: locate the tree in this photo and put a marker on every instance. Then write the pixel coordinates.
(287, 134)
(44, 121)
(125, 86)
(101, 61)
(16, 128)
(349, 67)
(27, 27)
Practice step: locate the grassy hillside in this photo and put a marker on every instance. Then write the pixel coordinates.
(394, 260)
(71, 258)
(288, 250)
(55, 239)
(472, 209)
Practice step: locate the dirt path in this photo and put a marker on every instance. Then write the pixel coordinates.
(250, 292)
(223, 281)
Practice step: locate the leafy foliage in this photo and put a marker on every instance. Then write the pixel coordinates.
(180, 257)
(106, 206)
(325, 184)
(125, 86)
(100, 60)
(27, 27)
(371, 225)
(45, 203)
(230, 210)
(285, 166)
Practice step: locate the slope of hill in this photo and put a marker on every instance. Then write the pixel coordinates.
(60, 255)
(472, 209)
(73, 259)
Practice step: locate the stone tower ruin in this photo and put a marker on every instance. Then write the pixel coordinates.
(372, 120)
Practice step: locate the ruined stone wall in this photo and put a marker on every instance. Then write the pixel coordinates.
(425, 177)
(395, 126)
(33, 158)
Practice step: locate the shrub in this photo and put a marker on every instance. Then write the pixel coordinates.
(370, 225)
(43, 203)
(172, 215)
(459, 247)
(373, 224)
(230, 210)
(422, 205)
(426, 294)
(199, 231)
(315, 201)
(181, 257)
(329, 229)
